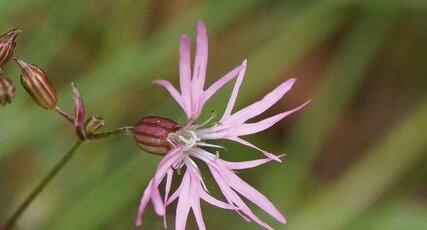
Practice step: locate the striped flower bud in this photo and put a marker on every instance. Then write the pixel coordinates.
(7, 45)
(38, 85)
(151, 134)
(7, 90)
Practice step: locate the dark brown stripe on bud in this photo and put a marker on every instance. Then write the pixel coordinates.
(7, 45)
(151, 134)
(38, 85)
(7, 91)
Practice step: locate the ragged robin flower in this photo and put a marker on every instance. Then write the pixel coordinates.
(182, 144)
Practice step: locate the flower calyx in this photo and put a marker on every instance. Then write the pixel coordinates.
(152, 132)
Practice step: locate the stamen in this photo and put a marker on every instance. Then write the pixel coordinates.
(183, 139)
(193, 134)
(171, 142)
(189, 124)
(210, 145)
(213, 115)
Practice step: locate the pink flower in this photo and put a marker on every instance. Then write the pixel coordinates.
(181, 144)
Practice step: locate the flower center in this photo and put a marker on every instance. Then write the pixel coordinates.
(158, 135)
(186, 137)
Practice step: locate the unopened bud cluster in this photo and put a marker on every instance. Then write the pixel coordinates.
(7, 46)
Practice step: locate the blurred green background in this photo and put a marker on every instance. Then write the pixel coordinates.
(356, 155)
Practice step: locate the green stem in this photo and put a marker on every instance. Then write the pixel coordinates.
(36, 191)
(120, 131)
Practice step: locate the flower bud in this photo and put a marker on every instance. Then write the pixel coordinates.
(7, 45)
(7, 90)
(151, 134)
(79, 112)
(93, 123)
(36, 83)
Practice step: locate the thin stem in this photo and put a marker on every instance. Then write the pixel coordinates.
(64, 114)
(120, 131)
(36, 191)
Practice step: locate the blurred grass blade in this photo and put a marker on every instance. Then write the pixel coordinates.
(9, 8)
(369, 177)
(342, 80)
(393, 215)
(61, 23)
(101, 204)
(297, 37)
(124, 24)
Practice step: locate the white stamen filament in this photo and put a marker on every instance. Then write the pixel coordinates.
(213, 115)
(210, 145)
(188, 138)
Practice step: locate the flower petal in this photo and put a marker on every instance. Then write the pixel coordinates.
(232, 197)
(267, 154)
(152, 190)
(213, 201)
(246, 129)
(185, 73)
(143, 203)
(252, 194)
(221, 82)
(184, 204)
(156, 198)
(199, 72)
(173, 92)
(247, 164)
(262, 105)
(166, 163)
(168, 185)
(175, 195)
(208, 158)
(197, 211)
(235, 92)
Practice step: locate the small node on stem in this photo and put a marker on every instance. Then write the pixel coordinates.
(93, 124)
